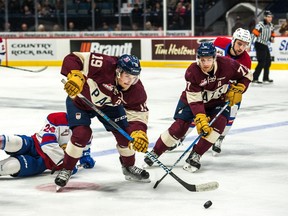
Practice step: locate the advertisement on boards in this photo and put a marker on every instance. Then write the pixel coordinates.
(107, 47)
(176, 49)
(31, 49)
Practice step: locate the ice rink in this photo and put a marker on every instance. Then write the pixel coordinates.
(252, 169)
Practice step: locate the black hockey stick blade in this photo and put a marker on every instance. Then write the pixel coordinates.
(158, 181)
(27, 70)
(209, 186)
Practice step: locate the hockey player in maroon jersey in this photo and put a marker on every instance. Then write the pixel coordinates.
(235, 49)
(32, 155)
(112, 84)
(207, 88)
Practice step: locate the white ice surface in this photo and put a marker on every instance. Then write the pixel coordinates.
(252, 169)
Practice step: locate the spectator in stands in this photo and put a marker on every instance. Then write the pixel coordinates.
(41, 28)
(171, 4)
(56, 27)
(7, 27)
(97, 14)
(238, 24)
(24, 27)
(29, 4)
(27, 11)
(14, 7)
(148, 26)
(136, 15)
(188, 15)
(134, 27)
(156, 15)
(117, 27)
(59, 6)
(105, 27)
(2, 7)
(71, 26)
(177, 22)
(284, 27)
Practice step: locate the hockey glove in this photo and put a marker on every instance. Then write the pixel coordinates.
(86, 159)
(75, 83)
(202, 124)
(140, 141)
(234, 95)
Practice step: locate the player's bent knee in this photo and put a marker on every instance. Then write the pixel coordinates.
(9, 166)
(213, 136)
(81, 135)
(167, 139)
(125, 151)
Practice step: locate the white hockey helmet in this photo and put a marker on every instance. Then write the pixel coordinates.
(241, 34)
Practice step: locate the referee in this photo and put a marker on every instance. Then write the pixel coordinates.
(262, 34)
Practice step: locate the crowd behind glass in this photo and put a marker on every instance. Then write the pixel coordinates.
(100, 15)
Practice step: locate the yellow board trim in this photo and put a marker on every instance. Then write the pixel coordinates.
(163, 64)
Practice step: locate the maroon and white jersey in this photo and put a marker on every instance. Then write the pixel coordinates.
(204, 91)
(53, 136)
(223, 46)
(100, 73)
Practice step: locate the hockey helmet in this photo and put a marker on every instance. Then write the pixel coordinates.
(267, 13)
(130, 64)
(241, 34)
(206, 49)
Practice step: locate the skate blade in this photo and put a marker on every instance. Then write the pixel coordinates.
(129, 178)
(215, 154)
(187, 167)
(58, 188)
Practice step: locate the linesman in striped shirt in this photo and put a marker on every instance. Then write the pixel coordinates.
(262, 34)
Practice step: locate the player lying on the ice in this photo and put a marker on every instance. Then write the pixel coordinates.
(32, 155)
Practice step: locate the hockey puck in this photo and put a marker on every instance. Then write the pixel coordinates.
(207, 204)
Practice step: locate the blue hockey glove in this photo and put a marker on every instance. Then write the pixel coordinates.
(86, 159)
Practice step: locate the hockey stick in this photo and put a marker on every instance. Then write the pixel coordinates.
(23, 69)
(190, 187)
(191, 145)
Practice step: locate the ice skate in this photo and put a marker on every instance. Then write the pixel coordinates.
(269, 81)
(133, 173)
(62, 178)
(192, 162)
(148, 161)
(216, 148)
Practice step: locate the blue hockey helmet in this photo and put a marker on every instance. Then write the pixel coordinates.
(130, 64)
(206, 49)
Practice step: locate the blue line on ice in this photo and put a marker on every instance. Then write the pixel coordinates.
(235, 131)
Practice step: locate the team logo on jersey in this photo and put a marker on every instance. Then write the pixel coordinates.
(211, 79)
(78, 116)
(109, 86)
(65, 132)
(203, 82)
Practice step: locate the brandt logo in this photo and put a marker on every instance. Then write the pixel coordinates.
(107, 49)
